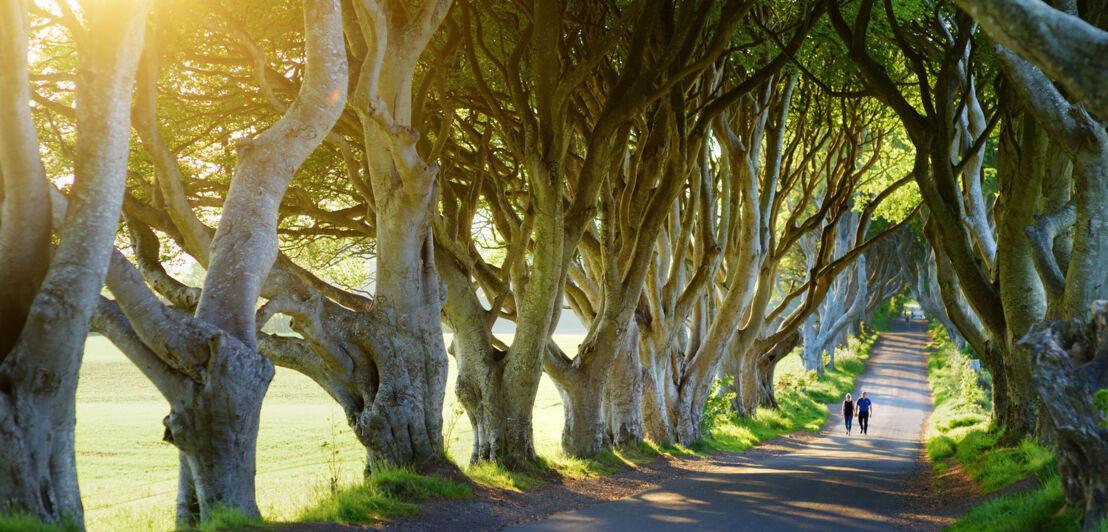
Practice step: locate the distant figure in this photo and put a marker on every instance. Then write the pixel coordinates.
(848, 412)
(865, 408)
(907, 317)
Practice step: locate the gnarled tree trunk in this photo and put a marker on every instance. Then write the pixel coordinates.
(1071, 365)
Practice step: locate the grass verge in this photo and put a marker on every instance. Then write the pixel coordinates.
(961, 429)
(231, 519)
(24, 522)
(384, 494)
(801, 396)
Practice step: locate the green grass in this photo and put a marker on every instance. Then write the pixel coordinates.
(383, 495)
(128, 475)
(1033, 509)
(495, 475)
(801, 396)
(606, 462)
(231, 519)
(961, 428)
(22, 522)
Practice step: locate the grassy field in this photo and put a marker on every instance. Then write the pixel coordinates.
(128, 475)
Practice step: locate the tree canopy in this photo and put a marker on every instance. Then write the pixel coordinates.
(706, 185)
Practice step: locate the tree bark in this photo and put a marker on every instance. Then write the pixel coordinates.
(1071, 364)
(1061, 44)
(623, 395)
(767, 362)
(39, 363)
(1020, 173)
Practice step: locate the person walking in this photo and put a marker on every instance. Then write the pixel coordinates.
(865, 410)
(848, 412)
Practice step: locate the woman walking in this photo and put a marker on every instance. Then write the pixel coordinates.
(848, 412)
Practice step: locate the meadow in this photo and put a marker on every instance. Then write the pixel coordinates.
(128, 475)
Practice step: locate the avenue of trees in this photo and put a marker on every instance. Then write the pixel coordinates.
(706, 185)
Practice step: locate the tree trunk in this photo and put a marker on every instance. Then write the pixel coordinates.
(46, 323)
(690, 409)
(767, 397)
(482, 386)
(1071, 364)
(767, 362)
(812, 356)
(659, 395)
(582, 382)
(582, 400)
(747, 384)
(1020, 177)
(403, 419)
(36, 424)
(215, 427)
(623, 395)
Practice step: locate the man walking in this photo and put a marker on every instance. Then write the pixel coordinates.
(864, 407)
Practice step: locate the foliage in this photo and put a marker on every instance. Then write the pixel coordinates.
(717, 408)
(453, 413)
(961, 406)
(888, 310)
(384, 494)
(1100, 402)
(332, 456)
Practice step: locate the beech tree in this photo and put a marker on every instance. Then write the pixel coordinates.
(563, 150)
(1073, 283)
(207, 365)
(50, 291)
(844, 303)
(941, 74)
(363, 351)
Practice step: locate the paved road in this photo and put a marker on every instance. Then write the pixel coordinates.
(832, 482)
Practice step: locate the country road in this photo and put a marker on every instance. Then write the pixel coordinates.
(830, 482)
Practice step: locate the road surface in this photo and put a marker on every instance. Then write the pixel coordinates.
(832, 482)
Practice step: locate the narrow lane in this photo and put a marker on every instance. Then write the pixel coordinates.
(833, 482)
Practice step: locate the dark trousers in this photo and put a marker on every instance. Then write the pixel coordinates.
(863, 421)
(848, 418)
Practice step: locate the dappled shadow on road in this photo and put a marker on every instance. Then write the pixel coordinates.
(830, 482)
